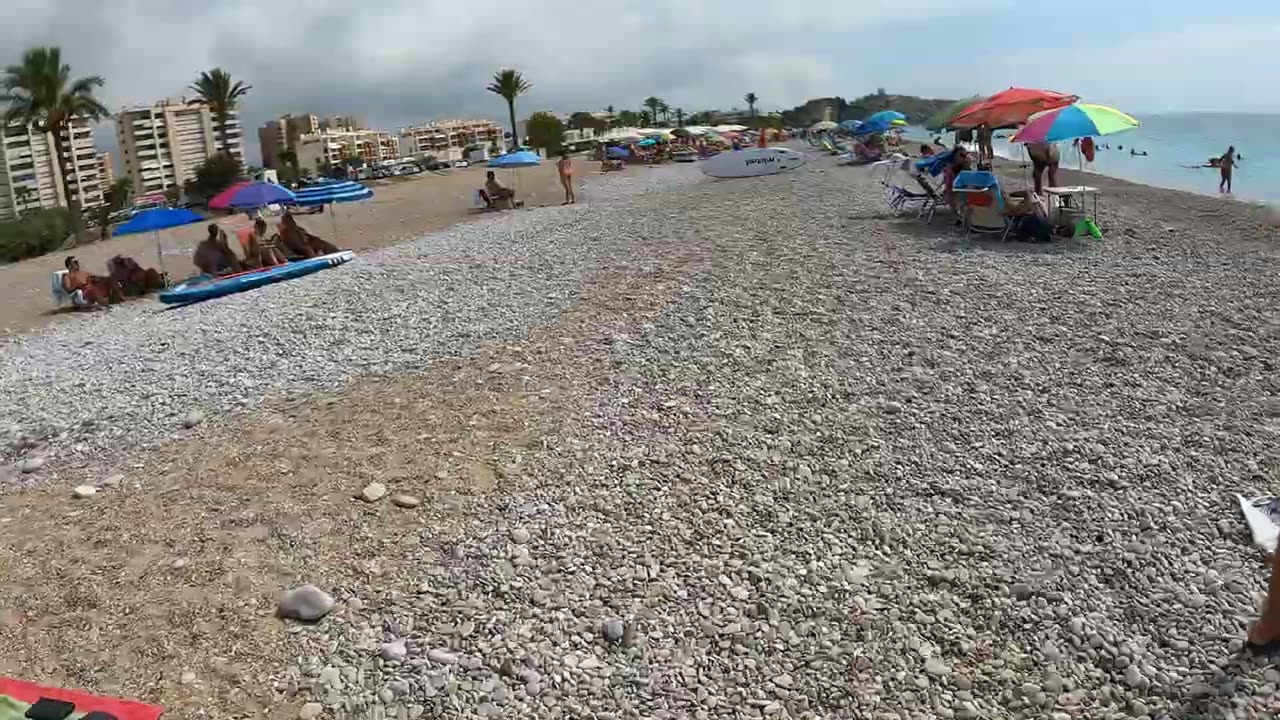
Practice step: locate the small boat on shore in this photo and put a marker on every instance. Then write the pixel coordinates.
(205, 287)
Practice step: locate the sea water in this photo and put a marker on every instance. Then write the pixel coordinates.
(1175, 141)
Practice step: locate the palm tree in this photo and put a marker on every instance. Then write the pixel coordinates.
(666, 112)
(510, 84)
(646, 120)
(221, 95)
(39, 92)
(115, 198)
(653, 103)
(751, 103)
(679, 117)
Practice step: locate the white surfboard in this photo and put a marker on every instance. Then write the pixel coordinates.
(752, 161)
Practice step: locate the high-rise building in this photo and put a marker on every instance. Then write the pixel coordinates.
(447, 138)
(332, 147)
(30, 176)
(347, 123)
(163, 144)
(106, 169)
(283, 133)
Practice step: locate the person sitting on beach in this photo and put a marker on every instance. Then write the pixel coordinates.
(1028, 217)
(865, 153)
(133, 279)
(213, 256)
(298, 243)
(260, 249)
(497, 193)
(959, 163)
(86, 290)
(926, 151)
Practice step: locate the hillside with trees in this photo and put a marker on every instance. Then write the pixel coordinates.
(917, 109)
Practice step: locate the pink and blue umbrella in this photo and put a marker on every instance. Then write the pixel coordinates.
(259, 195)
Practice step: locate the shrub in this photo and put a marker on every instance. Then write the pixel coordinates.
(36, 233)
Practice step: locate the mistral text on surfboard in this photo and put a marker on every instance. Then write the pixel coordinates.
(760, 161)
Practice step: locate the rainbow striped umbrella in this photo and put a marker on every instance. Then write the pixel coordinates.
(1074, 121)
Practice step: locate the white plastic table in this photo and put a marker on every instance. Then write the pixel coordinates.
(1082, 190)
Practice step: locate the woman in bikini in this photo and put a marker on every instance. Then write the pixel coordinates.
(565, 167)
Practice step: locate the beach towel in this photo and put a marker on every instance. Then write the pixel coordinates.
(17, 696)
(935, 164)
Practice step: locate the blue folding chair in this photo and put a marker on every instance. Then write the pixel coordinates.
(981, 203)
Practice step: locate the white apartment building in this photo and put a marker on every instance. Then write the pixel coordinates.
(446, 138)
(332, 147)
(30, 177)
(163, 144)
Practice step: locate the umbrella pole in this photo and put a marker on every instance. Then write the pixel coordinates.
(333, 218)
(160, 257)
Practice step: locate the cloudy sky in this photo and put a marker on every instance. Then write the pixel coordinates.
(397, 62)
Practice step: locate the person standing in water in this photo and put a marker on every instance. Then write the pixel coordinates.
(1226, 166)
(565, 167)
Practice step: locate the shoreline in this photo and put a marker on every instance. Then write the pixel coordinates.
(1005, 162)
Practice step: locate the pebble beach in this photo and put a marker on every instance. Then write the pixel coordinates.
(692, 448)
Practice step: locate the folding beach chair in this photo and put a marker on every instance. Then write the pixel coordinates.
(911, 183)
(981, 203)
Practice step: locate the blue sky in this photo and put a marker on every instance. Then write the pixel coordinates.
(402, 61)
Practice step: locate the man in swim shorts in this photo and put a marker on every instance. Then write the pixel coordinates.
(85, 290)
(1044, 156)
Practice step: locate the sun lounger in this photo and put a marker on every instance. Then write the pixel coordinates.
(907, 186)
(981, 203)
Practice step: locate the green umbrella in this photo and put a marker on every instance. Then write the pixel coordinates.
(940, 119)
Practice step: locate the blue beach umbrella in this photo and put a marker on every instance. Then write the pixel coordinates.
(328, 193)
(153, 221)
(851, 125)
(259, 195)
(157, 220)
(873, 127)
(518, 159)
(888, 117)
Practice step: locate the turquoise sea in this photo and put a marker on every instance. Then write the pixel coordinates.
(1175, 140)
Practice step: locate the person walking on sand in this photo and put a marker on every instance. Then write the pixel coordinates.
(564, 166)
(1226, 166)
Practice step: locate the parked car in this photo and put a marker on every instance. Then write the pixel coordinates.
(461, 164)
